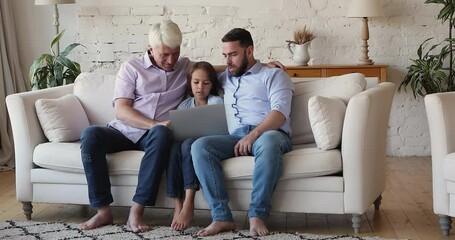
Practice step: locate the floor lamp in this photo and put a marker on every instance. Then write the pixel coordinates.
(56, 23)
(365, 9)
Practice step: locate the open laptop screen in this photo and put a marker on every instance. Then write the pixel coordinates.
(199, 121)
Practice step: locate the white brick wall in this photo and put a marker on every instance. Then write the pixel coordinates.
(114, 33)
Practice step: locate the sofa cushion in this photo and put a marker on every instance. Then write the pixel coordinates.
(49, 155)
(343, 87)
(300, 163)
(95, 92)
(326, 118)
(62, 119)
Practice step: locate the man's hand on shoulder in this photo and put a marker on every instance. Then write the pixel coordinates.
(276, 64)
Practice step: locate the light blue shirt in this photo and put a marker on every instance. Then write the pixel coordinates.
(189, 102)
(250, 97)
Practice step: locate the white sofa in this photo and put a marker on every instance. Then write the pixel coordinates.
(441, 119)
(344, 180)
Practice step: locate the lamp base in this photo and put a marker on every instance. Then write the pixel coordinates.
(365, 62)
(364, 59)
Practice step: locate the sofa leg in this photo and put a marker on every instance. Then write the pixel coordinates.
(27, 207)
(356, 220)
(445, 222)
(377, 202)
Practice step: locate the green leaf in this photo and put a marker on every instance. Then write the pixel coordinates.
(35, 66)
(58, 76)
(50, 70)
(56, 40)
(70, 48)
(67, 63)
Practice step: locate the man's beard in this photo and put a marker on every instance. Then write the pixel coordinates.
(242, 68)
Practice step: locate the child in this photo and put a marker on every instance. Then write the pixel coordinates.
(182, 183)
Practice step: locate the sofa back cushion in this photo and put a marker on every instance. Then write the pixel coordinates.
(343, 87)
(95, 92)
(62, 119)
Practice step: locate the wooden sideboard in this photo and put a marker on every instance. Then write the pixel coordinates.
(379, 71)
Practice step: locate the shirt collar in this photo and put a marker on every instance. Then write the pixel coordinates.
(255, 68)
(147, 61)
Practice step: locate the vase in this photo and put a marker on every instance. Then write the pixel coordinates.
(300, 53)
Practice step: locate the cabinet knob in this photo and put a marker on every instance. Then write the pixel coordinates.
(294, 75)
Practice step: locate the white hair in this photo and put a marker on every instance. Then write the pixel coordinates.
(165, 33)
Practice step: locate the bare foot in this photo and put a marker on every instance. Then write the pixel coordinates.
(186, 212)
(135, 219)
(178, 203)
(257, 227)
(184, 218)
(216, 227)
(102, 217)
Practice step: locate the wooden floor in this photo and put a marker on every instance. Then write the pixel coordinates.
(406, 210)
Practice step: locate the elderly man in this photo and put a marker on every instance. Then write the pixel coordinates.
(146, 88)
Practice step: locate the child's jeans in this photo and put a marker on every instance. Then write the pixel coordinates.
(180, 173)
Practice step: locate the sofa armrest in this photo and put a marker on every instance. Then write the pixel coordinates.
(27, 133)
(441, 118)
(363, 146)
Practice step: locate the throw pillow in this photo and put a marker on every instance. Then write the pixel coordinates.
(326, 116)
(62, 119)
(344, 87)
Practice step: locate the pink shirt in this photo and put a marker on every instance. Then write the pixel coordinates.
(154, 91)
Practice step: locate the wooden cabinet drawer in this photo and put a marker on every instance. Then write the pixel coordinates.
(301, 73)
(378, 71)
(368, 72)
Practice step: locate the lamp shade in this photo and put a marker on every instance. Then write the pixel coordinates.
(365, 8)
(51, 2)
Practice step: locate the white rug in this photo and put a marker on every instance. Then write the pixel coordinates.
(18, 230)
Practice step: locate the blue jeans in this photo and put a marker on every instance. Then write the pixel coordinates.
(268, 150)
(97, 141)
(180, 173)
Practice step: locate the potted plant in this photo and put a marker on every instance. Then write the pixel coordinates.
(431, 71)
(55, 69)
(299, 50)
(302, 36)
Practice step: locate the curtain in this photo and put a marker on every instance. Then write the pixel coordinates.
(11, 80)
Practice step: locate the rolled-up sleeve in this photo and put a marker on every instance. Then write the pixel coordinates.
(281, 89)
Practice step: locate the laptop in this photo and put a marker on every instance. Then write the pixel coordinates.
(199, 121)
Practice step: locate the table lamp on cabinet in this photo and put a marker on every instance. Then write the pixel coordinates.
(365, 9)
